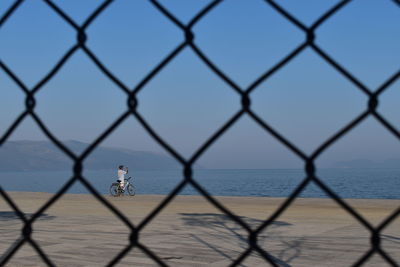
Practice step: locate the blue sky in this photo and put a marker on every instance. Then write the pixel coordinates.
(307, 101)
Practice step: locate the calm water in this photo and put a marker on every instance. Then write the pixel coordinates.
(348, 183)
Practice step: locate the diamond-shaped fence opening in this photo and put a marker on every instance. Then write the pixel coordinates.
(71, 92)
(374, 251)
(352, 45)
(288, 101)
(111, 39)
(126, 40)
(49, 38)
(171, 103)
(237, 40)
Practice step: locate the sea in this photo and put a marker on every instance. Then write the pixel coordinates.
(347, 183)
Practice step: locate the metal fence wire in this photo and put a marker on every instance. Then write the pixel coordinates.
(187, 164)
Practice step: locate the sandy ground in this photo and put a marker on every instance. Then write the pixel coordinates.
(79, 231)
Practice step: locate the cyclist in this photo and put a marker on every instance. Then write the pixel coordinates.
(121, 175)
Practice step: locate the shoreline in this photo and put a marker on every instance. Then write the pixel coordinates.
(199, 195)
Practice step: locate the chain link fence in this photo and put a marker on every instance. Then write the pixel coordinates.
(187, 164)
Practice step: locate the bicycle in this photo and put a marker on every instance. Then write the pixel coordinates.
(116, 190)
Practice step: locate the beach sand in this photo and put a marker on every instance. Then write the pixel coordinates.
(79, 231)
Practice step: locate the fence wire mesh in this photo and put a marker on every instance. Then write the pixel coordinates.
(187, 164)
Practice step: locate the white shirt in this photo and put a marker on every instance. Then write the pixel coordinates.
(121, 175)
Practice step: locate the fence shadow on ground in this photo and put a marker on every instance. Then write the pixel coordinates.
(11, 215)
(217, 219)
(223, 228)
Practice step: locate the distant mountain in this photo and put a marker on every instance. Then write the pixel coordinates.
(365, 163)
(45, 156)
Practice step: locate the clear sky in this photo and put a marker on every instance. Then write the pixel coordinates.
(307, 101)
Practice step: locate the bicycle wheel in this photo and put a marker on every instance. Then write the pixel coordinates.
(114, 190)
(131, 190)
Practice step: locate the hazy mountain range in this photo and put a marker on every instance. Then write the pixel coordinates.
(45, 156)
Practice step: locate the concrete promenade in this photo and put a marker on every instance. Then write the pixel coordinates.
(79, 231)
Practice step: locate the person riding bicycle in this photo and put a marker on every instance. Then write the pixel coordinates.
(121, 175)
(122, 185)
